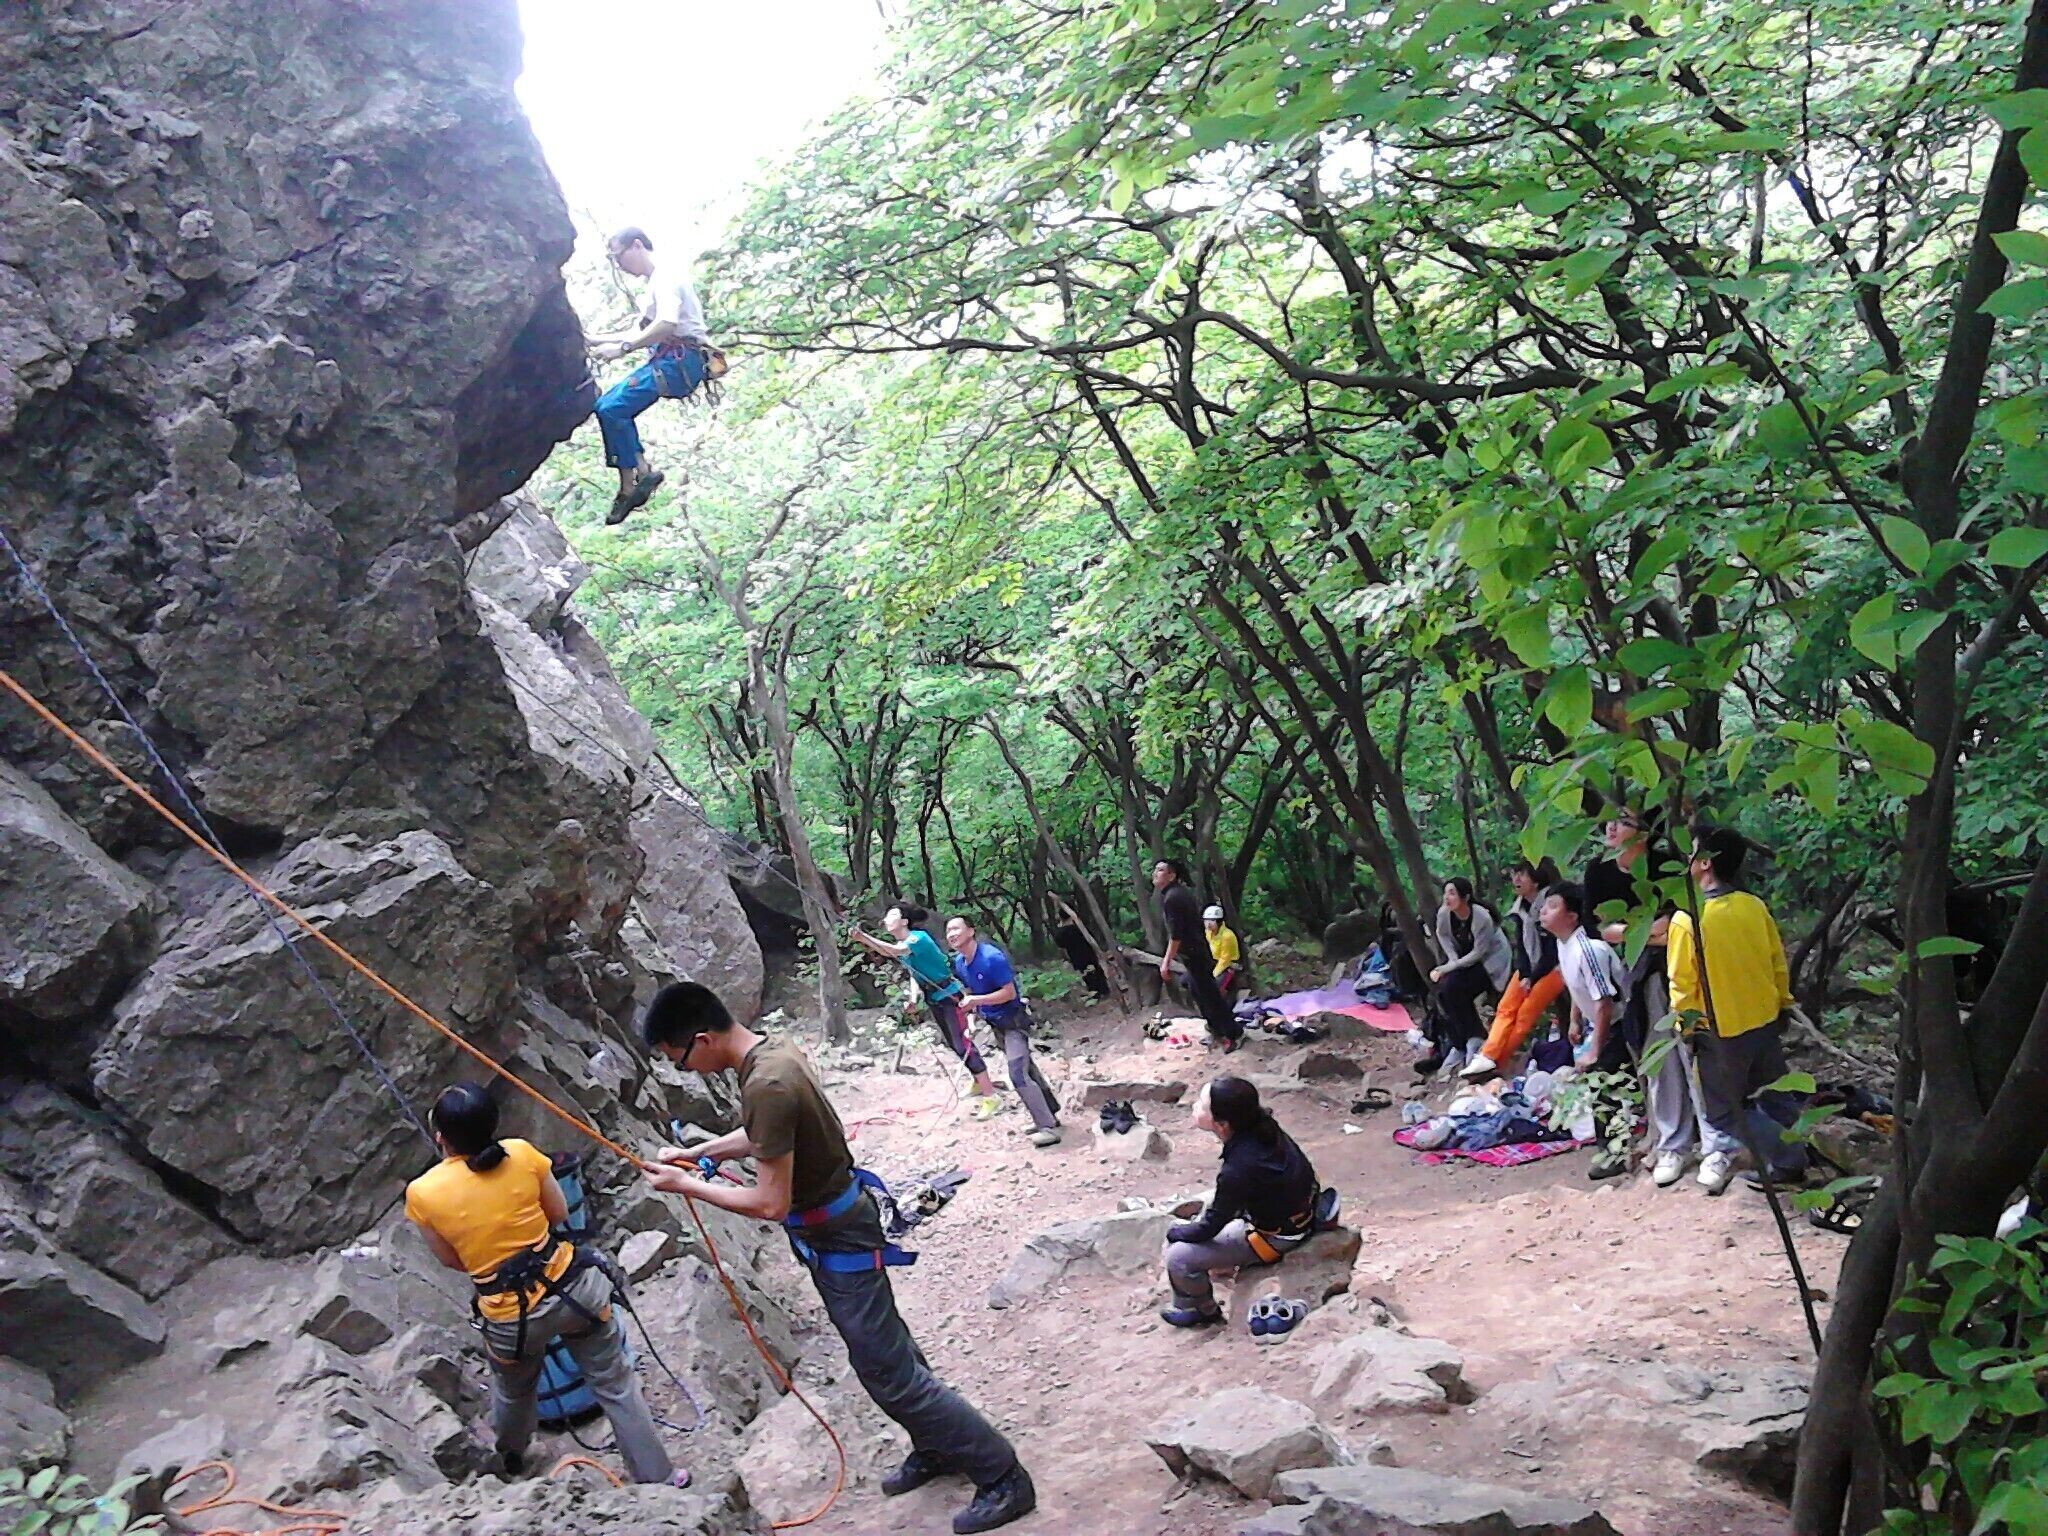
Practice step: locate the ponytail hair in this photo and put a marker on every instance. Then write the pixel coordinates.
(1235, 1102)
(466, 1118)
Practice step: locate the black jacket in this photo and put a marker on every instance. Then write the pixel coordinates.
(1270, 1185)
(1181, 910)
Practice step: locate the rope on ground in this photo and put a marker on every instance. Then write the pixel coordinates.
(319, 936)
(302, 1521)
(42, 595)
(598, 1467)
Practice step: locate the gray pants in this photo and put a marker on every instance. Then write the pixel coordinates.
(599, 1351)
(1190, 1265)
(891, 1367)
(1676, 1104)
(1733, 1069)
(1033, 1091)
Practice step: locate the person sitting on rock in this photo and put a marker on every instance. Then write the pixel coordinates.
(680, 356)
(489, 1208)
(1263, 1208)
(808, 1183)
(1223, 946)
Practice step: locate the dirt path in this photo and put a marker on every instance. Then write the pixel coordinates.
(1517, 1268)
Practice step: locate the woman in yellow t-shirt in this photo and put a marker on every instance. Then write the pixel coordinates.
(1224, 946)
(488, 1202)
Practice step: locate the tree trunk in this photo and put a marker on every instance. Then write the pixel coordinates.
(819, 910)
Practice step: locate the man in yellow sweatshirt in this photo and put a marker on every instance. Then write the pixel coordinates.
(1731, 990)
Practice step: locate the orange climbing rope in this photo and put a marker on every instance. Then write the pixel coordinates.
(598, 1467)
(303, 1522)
(305, 924)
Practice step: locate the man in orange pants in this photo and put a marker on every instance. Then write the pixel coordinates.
(1536, 982)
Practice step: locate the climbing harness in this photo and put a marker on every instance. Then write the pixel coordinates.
(525, 1275)
(843, 1261)
(319, 936)
(1319, 1215)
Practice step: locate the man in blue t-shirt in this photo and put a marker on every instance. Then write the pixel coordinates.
(991, 984)
(919, 954)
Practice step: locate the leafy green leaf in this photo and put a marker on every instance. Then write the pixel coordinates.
(2026, 246)
(1780, 432)
(1905, 540)
(2017, 301)
(1527, 634)
(1569, 700)
(1900, 758)
(1946, 944)
(2021, 109)
(1651, 654)
(2017, 547)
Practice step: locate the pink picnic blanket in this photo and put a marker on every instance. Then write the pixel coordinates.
(1508, 1155)
(1342, 998)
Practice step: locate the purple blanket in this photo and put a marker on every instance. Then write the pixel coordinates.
(1342, 998)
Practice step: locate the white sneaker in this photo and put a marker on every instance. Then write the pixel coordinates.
(1417, 1038)
(1045, 1138)
(1669, 1169)
(1717, 1172)
(1481, 1065)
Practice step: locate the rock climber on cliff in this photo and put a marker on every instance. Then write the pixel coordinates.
(680, 358)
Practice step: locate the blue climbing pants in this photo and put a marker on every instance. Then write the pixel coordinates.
(666, 376)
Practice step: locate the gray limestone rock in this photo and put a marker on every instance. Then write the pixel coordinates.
(94, 1200)
(74, 925)
(1245, 1436)
(780, 1461)
(685, 903)
(1137, 1090)
(160, 1460)
(228, 1067)
(71, 1322)
(1142, 1143)
(1126, 1243)
(1381, 1370)
(1316, 1272)
(546, 1506)
(1381, 1501)
(527, 567)
(34, 1431)
(645, 1252)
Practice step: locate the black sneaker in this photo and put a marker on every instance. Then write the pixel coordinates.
(918, 1468)
(1430, 1065)
(1009, 1497)
(512, 1463)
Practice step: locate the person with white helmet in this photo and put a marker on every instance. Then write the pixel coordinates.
(1223, 946)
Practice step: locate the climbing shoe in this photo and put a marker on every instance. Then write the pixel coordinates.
(918, 1468)
(1190, 1317)
(1009, 1497)
(627, 502)
(1608, 1165)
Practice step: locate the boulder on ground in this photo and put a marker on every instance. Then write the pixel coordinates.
(1142, 1143)
(1379, 1501)
(160, 1460)
(1353, 933)
(1315, 1063)
(579, 1501)
(1136, 1090)
(338, 1316)
(1316, 1272)
(785, 1466)
(1380, 1370)
(1126, 1243)
(1742, 1423)
(1245, 1436)
(34, 1431)
(71, 1322)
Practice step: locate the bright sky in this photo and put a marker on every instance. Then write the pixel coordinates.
(655, 112)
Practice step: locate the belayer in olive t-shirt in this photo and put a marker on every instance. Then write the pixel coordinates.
(807, 1182)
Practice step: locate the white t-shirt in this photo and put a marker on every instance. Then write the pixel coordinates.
(1592, 973)
(675, 301)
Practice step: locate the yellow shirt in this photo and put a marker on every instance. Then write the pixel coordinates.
(1223, 945)
(489, 1217)
(1745, 964)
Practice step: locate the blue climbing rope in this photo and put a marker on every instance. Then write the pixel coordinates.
(198, 819)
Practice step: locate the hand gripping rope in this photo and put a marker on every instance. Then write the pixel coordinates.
(306, 926)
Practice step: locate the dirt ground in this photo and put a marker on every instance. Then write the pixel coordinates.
(1517, 1268)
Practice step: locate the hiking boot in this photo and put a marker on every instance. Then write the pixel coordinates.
(1608, 1165)
(1047, 1137)
(1190, 1317)
(1009, 1497)
(918, 1468)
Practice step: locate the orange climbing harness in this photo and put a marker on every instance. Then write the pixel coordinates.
(305, 924)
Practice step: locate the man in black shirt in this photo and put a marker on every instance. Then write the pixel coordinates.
(1188, 942)
(807, 1182)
